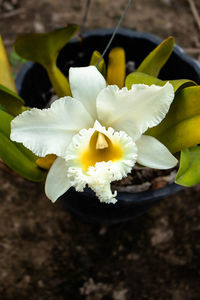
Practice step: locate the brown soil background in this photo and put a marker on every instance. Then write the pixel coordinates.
(48, 253)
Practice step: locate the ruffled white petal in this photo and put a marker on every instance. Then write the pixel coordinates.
(51, 130)
(99, 176)
(57, 182)
(133, 111)
(85, 84)
(153, 154)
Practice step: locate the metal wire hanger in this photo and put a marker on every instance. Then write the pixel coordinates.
(116, 28)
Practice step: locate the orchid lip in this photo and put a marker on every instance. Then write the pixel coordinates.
(100, 148)
(99, 167)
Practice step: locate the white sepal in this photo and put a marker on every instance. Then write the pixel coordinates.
(57, 182)
(153, 154)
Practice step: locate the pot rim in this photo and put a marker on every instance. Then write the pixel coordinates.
(131, 33)
(146, 196)
(179, 51)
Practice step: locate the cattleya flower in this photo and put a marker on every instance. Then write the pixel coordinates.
(98, 135)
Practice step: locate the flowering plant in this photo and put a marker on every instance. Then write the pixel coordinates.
(103, 124)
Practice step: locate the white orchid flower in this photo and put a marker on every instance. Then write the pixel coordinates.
(98, 134)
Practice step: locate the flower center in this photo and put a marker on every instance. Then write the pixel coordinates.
(97, 156)
(100, 149)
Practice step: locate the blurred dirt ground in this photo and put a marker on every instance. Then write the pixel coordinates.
(47, 253)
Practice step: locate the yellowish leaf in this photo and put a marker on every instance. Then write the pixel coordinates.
(13, 103)
(6, 77)
(44, 48)
(180, 128)
(15, 155)
(95, 59)
(156, 59)
(138, 78)
(46, 162)
(189, 170)
(116, 67)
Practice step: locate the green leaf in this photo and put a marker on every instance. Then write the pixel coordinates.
(116, 67)
(95, 59)
(13, 103)
(156, 59)
(189, 170)
(138, 77)
(180, 128)
(15, 155)
(15, 59)
(2, 108)
(6, 119)
(6, 77)
(44, 48)
(18, 161)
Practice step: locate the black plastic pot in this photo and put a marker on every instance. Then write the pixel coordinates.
(33, 86)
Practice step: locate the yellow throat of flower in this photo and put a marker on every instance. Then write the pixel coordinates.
(100, 149)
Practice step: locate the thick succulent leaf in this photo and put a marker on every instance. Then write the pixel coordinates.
(116, 67)
(139, 77)
(18, 161)
(156, 59)
(59, 82)
(2, 108)
(11, 101)
(95, 59)
(6, 77)
(180, 128)
(44, 48)
(5, 119)
(182, 135)
(189, 170)
(15, 155)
